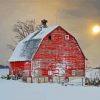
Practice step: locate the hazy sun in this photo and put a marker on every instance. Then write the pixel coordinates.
(96, 29)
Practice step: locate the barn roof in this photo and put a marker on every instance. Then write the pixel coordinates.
(28, 46)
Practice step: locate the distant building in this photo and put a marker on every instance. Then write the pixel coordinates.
(50, 51)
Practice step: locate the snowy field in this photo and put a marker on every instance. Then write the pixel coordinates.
(93, 73)
(17, 90)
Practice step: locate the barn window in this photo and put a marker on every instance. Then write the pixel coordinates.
(66, 37)
(78, 72)
(49, 37)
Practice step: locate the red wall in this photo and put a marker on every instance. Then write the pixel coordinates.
(54, 51)
(19, 66)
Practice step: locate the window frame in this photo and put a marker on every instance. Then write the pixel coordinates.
(66, 37)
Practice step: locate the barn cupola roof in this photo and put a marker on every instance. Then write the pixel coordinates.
(44, 23)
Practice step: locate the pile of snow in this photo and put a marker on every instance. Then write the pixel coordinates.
(93, 73)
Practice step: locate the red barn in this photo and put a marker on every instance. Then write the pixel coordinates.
(52, 50)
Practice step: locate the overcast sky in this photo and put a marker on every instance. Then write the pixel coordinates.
(76, 16)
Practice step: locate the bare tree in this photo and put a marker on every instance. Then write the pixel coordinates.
(11, 47)
(22, 29)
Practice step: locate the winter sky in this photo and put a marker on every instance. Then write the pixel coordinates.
(76, 16)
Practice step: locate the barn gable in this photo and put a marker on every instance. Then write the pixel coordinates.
(28, 46)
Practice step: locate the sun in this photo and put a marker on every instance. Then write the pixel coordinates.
(96, 29)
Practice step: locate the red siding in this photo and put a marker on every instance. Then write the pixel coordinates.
(20, 66)
(58, 49)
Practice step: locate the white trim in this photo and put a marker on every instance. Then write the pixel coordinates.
(66, 37)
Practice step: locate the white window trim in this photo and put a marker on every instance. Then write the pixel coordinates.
(66, 37)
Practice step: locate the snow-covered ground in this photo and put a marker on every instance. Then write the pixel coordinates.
(4, 72)
(17, 90)
(93, 73)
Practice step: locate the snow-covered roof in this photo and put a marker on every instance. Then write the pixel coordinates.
(28, 46)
